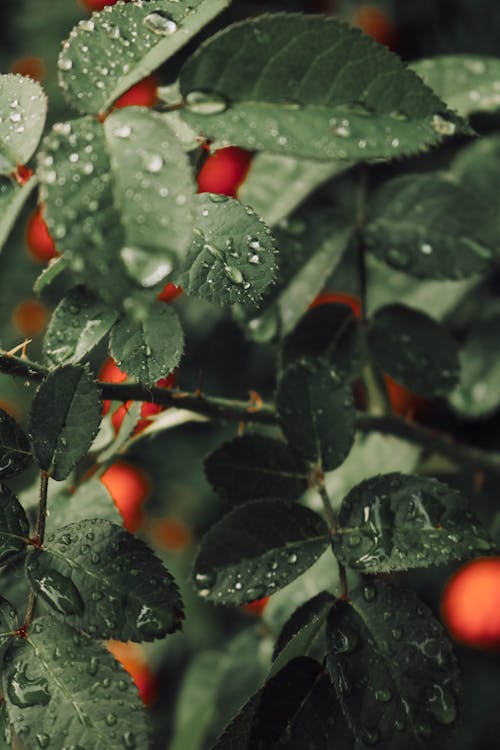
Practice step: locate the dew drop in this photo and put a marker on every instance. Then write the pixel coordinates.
(123, 131)
(234, 274)
(205, 103)
(25, 692)
(152, 162)
(160, 23)
(43, 740)
(61, 593)
(64, 64)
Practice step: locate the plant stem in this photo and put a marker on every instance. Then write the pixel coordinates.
(38, 540)
(360, 241)
(331, 518)
(244, 411)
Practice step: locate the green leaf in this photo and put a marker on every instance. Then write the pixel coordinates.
(309, 86)
(311, 245)
(151, 347)
(64, 419)
(15, 452)
(298, 708)
(429, 227)
(330, 332)
(106, 54)
(9, 623)
(64, 690)
(232, 256)
(477, 394)
(414, 349)
(467, 83)
(78, 324)
(393, 668)
(6, 738)
(12, 199)
(24, 106)
(106, 582)
(257, 549)
(52, 270)
(90, 500)
(316, 413)
(256, 466)
(119, 209)
(303, 632)
(395, 522)
(14, 526)
(263, 186)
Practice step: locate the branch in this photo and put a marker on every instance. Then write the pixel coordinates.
(244, 411)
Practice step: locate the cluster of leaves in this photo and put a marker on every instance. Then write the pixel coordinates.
(368, 666)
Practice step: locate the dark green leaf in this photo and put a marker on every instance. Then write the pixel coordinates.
(467, 83)
(414, 349)
(14, 526)
(148, 348)
(309, 86)
(298, 709)
(393, 669)
(64, 690)
(429, 227)
(394, 522)
(105, 581)
(120, 210)
(24, 105)
(90, 500)
(12, 199)
(51, 272)
(257, 549)
(5, 730)
(77, 325)
(106, 54)
(316, 413)
(64, 419)
(236, 735)
(478, 392)
(302, 634)
(232, 256)
(9, 623)
(15, 452)
(256, 466)
(330, 332)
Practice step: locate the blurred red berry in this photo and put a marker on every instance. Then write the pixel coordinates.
(110, 373)
(142, 94)
(38, 240)
(225, 171)
(257, 607)
(130, 487)
(31, 67)
(169, 293)
(328, 298)
(374, 23)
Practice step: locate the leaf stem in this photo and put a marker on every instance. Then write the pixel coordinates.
(38, 541)
(246, 411)
(331, 518)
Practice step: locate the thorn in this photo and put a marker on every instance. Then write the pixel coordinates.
(199, 388)
(241, 429)
(256, 402)
(21, 347)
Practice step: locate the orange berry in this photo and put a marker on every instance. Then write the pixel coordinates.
(470, 604)
(328, 298)
(169, 293)
(170, 534)
(142, 94)
(133, 659)
(30, 317)
(225, 171)
(38, 240)
(374, 23)
(257, 607)
(110, 373)
(129, 487)
(32, 67)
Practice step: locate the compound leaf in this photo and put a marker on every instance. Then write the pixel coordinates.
(257, 549)
(24, 107)
(14, 526)
(91, 573)
(15, 450)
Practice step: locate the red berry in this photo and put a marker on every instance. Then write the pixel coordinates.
(169, 293)
(110, 373)
(170, 534)
(129, 487)
(119, 415)
(133, 659)
(257, 607)
(470, 604)
(148, 409)
(32, 67)
(38, 240)
(97, 4)
(142, 94)
(327, 298)
(224, 171)
(30, 317)
(405, 403)
(374, 23)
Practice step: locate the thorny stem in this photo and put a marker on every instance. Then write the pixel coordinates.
(38, 541)
(244, 411)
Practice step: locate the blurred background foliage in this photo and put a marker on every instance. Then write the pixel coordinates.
(202, 675)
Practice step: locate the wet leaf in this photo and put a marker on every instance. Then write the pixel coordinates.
(310, 87)
(414, 349)
(111, 51)
(12, 199)
(77, 325)
(149, 347)
(303, 633)
(396, 521)
(257, 549)
(393, 669)
(256, 466)
(24, 106)
(232, 256)
(467, 83)
(63, 689)
(9, 623)
(90, 499)
(50, 273)
(14, 526)
(15, 450)
(106, 582)
(64, 419)
(316, 413)
(429, 227)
